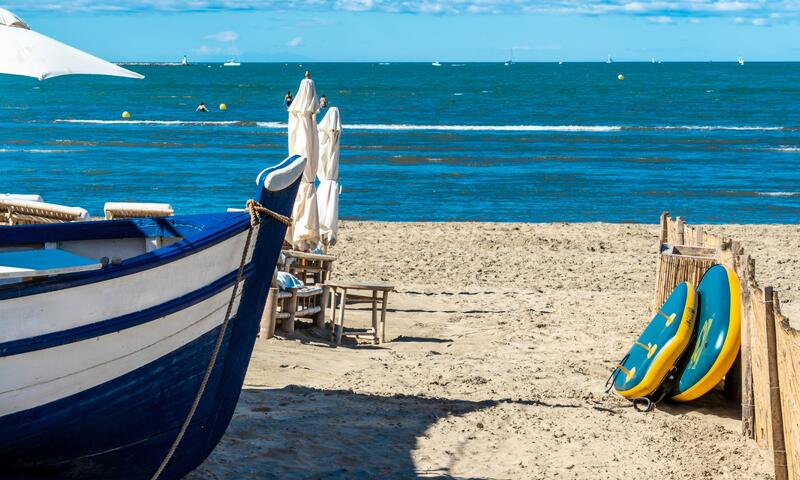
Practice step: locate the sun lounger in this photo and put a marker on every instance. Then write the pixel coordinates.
(21, 212)
(117, 210)
(21, 196)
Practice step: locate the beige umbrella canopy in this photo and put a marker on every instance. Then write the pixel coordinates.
(28, 53)
(330, 130)
(304, 233)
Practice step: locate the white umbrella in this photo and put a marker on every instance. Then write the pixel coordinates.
(304, 233)
(330, 130)
(25, 52)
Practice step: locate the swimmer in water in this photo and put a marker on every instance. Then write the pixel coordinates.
(201, 107)
(323, 102)
(288, 99)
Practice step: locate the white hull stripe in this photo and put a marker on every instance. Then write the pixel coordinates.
(39, 377)
(77, 334)
(61, 310)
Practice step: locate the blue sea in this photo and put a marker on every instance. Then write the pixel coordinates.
(532, 142)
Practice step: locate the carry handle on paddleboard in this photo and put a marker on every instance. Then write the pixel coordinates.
(614, 373)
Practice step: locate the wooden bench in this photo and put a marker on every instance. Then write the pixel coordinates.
(379, 295)
(22, 265)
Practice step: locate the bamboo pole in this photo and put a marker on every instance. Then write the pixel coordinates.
(776, 409)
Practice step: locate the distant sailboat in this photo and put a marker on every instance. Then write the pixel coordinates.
(652, 59)
(436, 64)
(561, 62)
(510, 61)
(741, 60)
(185, 61)
(232, 63)
(609, 60)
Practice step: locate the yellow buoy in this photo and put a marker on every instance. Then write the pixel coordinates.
(621, 77)
(223, 107)
(126, 114)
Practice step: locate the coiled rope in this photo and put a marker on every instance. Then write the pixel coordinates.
(256, 211)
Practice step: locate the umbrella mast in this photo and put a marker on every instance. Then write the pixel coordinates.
(303, 141)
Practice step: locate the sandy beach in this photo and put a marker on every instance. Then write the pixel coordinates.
(500, 339)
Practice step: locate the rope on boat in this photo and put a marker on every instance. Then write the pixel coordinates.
(255, 210)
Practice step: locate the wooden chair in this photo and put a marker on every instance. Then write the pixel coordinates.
(310, 268)
(310, 301)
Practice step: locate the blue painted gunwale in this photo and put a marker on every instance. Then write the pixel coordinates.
(215, 228)
(121, 429)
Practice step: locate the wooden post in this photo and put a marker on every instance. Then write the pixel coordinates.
(268, 317)
(385, 302)
(680, 231)
(339, 328)
(375, 317)
(747, 276)
(319, 318)
(663, 237)
(776, 409)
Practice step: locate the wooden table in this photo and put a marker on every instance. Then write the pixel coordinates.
(341, 287)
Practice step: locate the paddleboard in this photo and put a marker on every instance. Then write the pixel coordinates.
(718, 336)
(659, 347)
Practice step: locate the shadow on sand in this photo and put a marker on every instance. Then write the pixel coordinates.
(301, 432)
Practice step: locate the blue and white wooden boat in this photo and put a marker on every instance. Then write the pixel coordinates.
(102, 362)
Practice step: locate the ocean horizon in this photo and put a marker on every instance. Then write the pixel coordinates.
(715, 142)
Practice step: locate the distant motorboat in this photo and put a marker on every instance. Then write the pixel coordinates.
(741, 60)
(436, 64)
(560, 62)
(384, 63)
(231, 63)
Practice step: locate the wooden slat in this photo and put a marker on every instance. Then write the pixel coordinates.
(776, 408)
(788, 343)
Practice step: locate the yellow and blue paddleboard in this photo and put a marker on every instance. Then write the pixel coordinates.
(718, 335)
(659, 347)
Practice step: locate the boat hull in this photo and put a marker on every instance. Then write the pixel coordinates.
(105, 398)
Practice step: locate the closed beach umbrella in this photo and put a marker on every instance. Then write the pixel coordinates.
(330, 130)
(304, 233)
(28, 53)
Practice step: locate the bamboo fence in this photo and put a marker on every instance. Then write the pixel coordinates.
(767, 376)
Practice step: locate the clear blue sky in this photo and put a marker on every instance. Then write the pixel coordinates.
(421, 30)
